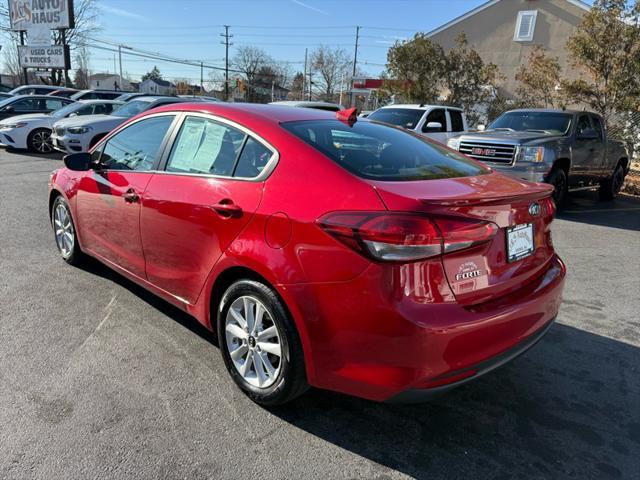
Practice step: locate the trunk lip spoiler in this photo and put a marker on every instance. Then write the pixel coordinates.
(489, 200)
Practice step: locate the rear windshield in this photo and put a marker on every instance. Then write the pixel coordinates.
(549, 122)
(130, 109)
(379, 152)
(400, 117)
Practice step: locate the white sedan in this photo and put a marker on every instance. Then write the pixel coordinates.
(33, 131)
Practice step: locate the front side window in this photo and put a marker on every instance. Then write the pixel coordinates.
(25, 105)
(400, 117)
(583, 124)
(207, 147)
(438, 116)
(137, 146)
(378, 152)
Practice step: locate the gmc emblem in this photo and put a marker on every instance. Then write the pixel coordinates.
(486, 152)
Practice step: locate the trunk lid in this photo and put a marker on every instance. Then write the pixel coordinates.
(482, 272)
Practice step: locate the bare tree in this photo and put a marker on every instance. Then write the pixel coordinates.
(81, 78)
(332, 66)
(250, 61)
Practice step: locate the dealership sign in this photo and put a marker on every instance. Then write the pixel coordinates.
(40, 14)
(53, 56)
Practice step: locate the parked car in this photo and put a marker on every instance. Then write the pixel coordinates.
(64, 92)
(72, 135)
(34, 89)
(330, 107)
(5, 95)
(381, 266)
(22, 104)
(128, 96)
(433, 121)
(96, 94)
(567, 149)
(33, 131)
(201, 98)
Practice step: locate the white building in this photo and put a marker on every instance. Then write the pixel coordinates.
(108, 81)
(157, 87)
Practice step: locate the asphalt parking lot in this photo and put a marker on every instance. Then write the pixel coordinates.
(99, 379)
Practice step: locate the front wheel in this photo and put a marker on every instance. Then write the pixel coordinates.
(558, 179)
(40, 141)
(259, 344)
(65, 232)
(610, 187)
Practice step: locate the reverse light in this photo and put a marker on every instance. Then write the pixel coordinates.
(404, 237)
(79, 130)
(531, 154)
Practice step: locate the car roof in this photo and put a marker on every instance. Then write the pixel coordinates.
(48, 87)
(552, 110)
(99, 100)
(304, 103)
(45, 97)
(420, 106)
(254, 113)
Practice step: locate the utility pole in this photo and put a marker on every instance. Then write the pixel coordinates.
(201, 79)
(120, 60)
(304, 76)
(355, 64)
(226, 59)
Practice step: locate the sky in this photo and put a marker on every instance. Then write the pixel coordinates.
(191, 29)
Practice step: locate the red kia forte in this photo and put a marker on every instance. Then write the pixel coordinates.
(342, 254)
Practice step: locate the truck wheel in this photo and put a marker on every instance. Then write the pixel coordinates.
(610, 187)
(558, 178)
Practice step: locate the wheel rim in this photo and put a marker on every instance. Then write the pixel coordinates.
(253, 342)
(64, 230)
(42, 142)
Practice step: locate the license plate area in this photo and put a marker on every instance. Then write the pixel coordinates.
(520, 242)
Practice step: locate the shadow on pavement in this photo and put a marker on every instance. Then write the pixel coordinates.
(586, 207)
(569, 408)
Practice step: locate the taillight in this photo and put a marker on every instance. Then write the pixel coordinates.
(549, 209)
(398, 237)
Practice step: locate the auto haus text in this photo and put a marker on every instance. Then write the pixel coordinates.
(44, 11)
(44, 55)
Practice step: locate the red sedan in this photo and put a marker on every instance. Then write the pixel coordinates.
(325, 251)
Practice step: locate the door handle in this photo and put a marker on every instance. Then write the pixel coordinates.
(131, 196)
(227, 209)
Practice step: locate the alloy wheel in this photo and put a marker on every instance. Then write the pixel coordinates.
(63, 229)
(253, 342)
(41, 141)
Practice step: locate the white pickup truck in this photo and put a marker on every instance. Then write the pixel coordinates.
(434, 121)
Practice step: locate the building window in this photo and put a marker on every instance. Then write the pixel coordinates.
(525, 26)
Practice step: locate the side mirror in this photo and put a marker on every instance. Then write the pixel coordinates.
(433, 127)
(79, 162)
(481, 127)
(587, 134)
(74, 114)
(9, 109)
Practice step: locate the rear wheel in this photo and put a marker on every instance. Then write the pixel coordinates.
(558, 179)
(610, 187)
(259, 344)
(40, 141)
(65, 232)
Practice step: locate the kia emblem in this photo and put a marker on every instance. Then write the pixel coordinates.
(534, 209)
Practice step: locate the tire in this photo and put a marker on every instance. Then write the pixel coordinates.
(558, 179)
(610, 187)
(284, 378)
(64, 232)
(39, 141)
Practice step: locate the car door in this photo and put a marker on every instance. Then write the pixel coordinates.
(109, 198)
(583, 161)
(437, 134)
(194, 209)
(602, 168)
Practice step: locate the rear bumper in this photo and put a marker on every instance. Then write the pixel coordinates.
(391, 331)
(471, 373)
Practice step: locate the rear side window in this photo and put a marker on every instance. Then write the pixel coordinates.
(54, 104)
(597, 124)
(253, 159)
(400, 117)
(436, 115)
(457, 125)
(378, 152)
(205, 147)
